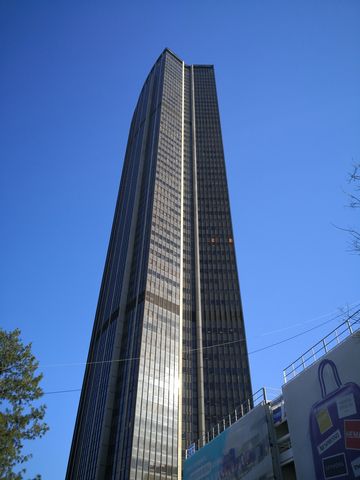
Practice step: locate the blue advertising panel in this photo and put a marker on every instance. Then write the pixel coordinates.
(240, 452)
(323, 412)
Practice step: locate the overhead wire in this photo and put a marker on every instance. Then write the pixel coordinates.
(63, 391)
(300, 334)
(120, 360)
(274, 344)
(348, 306)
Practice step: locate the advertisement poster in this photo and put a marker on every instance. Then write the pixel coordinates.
(323, 412)
(240, 452)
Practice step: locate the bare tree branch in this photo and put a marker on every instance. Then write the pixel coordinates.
(354, 202)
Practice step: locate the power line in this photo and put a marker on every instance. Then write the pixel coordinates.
(274, 344)
(350, 307)
(302, 333)
(63, 391)
(281, 341)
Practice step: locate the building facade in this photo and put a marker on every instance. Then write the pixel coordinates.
(168, 356)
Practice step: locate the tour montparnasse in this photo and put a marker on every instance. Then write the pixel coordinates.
(168, 357)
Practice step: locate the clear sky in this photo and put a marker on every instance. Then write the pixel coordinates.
(288, 79)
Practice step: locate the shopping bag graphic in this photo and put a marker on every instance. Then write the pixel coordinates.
(335, 428)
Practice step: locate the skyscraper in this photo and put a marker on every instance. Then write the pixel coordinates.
(168, 356)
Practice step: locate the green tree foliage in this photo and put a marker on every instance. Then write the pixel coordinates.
(21, 418)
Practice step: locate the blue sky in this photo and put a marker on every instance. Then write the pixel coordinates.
(288, 76)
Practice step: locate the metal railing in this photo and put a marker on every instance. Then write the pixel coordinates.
(338, 335)
(257, 398)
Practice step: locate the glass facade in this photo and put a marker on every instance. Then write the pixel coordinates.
(156, 378)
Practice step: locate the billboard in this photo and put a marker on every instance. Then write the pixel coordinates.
(240, 452)
(323, 412)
